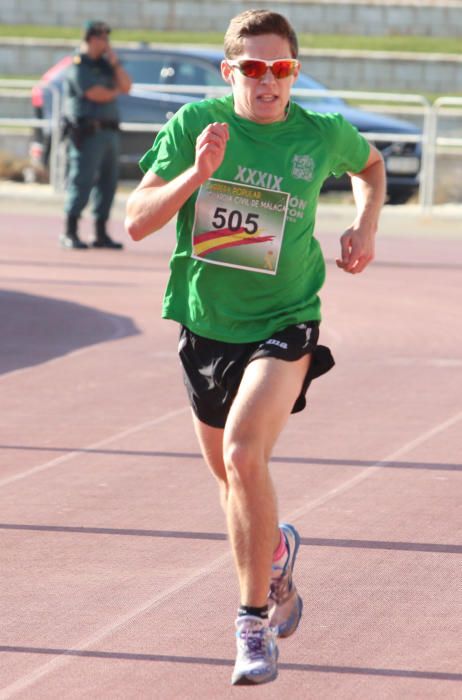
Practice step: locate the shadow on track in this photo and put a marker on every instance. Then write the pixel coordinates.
(35, 329)
(207, 661)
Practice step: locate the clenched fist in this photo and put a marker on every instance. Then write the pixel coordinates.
(210, 148)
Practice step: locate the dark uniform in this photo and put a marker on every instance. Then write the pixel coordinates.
(93, 148)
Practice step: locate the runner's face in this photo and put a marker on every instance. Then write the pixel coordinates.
(262, 100)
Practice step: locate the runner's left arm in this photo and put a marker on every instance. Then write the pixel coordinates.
(358, 241)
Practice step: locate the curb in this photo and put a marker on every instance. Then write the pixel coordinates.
(38, 195)
(44, 194)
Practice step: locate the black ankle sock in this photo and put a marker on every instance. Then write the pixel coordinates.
(256, 612)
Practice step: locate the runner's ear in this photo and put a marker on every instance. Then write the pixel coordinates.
(226, 72)
(295, 75)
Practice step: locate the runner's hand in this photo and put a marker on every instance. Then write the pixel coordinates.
(357, 247)
(210, 148)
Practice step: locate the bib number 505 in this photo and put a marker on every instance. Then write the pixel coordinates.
(234, 220)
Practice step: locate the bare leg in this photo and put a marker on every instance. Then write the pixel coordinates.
(262, 406)
(238, 458)
(211, 444)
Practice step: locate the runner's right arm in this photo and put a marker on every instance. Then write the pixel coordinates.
(155, 201)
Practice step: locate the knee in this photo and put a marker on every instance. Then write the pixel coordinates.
(243, 462)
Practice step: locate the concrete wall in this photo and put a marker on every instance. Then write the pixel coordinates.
(348, 70)
(366, 17)
(382, 71)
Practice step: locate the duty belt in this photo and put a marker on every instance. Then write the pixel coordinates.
(96, 124)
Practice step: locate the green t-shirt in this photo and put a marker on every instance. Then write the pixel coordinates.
(83, 74)
(246, 263)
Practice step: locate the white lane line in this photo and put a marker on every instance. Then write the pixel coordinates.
(59, 661)
(112, 438)
(445, 362)
(375, 467)
(118, 624)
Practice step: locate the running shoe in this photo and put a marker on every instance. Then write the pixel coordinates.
(257, 653)
(285, 605)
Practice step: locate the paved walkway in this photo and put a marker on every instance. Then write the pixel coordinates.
(117, 582)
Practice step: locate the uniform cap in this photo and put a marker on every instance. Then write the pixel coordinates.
(95, 28)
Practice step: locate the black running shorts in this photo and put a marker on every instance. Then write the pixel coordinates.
(213, 370)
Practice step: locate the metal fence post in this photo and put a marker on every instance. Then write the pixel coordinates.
(427, 178)
(56, 179)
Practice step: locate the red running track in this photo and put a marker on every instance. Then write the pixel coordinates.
(117, 581)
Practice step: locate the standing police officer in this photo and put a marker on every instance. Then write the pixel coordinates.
(93, 82)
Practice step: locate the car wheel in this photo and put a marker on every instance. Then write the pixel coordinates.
(399, 196)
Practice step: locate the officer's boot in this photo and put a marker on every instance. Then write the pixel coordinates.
(102, 240)
(70, 238)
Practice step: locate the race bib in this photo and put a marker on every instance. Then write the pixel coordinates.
(239, 226)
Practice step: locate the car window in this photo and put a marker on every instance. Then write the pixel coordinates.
(143, 68)
(306, 82)
(190, 72)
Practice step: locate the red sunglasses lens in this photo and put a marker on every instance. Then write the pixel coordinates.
(282, 69)
(257, 69)
(252, 69)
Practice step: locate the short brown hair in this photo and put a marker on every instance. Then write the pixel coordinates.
(255, 23)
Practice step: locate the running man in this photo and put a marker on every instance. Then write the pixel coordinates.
(243, 173)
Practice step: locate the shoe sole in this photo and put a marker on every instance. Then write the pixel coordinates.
(252, 680)
(69, 246)
(289, 627)
(108, 245)
(283, 631)
(246, 680)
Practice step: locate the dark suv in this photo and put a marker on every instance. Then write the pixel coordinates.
(201, 67)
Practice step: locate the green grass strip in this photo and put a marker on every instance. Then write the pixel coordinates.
(417, 44)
